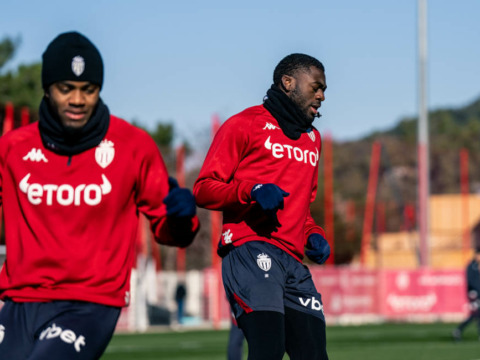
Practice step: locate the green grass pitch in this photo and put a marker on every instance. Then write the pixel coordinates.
(372, 342)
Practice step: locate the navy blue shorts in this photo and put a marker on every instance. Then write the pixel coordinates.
(55, 330)
(259, 276)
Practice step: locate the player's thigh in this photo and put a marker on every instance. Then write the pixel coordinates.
(235, 343)
(300, 291)
(265, 334)
(304, 317)
(82, 331)
(305, 336)
(16, 337)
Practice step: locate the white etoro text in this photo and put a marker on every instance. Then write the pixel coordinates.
(65, 194)
(292, 152)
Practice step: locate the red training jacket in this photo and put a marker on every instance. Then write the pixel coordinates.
(250, 148)
(71, 223)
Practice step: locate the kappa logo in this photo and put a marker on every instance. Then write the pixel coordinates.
(104, 153)
(292, 152)
(227, 236)
(256, 187)
(65, 194)
(78, 65)
(67, 336)
(270, 126)
(313, 303)
(35, 155)
(2, 333)
(264, 262)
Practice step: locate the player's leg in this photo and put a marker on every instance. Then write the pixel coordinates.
(465, 323)
(254, 280)
(305, 336)
(265, 334)
(304, 319)
(79, 331)
(236, 339)
(16, 338)
(477, 318)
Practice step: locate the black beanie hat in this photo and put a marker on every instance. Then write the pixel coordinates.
(71, 57)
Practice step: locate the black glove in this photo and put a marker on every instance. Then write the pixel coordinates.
(269, 197)
(319, 248)
(180, 201)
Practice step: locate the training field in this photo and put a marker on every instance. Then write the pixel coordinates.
(372, 342)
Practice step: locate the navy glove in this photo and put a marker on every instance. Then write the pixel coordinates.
(319, 248)
(269, 197)
(180, 201)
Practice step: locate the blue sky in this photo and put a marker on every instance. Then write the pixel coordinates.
(182, 61)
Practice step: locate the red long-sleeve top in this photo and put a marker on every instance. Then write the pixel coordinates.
(248, 149)
(71, 222)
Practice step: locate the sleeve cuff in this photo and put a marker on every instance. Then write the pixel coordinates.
(244, 190)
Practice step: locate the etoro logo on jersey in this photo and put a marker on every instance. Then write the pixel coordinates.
(64, 194)
(292, 152)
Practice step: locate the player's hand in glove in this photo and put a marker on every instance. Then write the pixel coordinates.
(269, 197)
(180, 201)
(319, 249)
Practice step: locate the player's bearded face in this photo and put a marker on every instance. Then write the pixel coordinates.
(302, 102)
(308, 92)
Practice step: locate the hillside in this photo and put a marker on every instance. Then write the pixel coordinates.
(450, 131)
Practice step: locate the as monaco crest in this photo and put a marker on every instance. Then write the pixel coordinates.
(78, 65)
(264, 262)
(104, 153)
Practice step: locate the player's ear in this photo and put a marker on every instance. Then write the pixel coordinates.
(288, 83)
(46, 92)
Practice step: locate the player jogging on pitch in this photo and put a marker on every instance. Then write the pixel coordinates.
(261, 171)
(472, 275)
(72, 186)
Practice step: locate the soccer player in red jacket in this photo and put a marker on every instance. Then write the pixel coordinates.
(72, 186)
(261, 171)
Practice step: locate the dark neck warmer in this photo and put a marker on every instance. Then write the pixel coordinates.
(290, 118)
(67, 141)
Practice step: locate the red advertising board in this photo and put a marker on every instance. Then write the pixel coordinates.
(361, 295)
(347, 292)
(423, 292)
(355, 295)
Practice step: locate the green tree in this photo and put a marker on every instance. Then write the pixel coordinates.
(7, 50)
(21, 86)
(163, 134)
